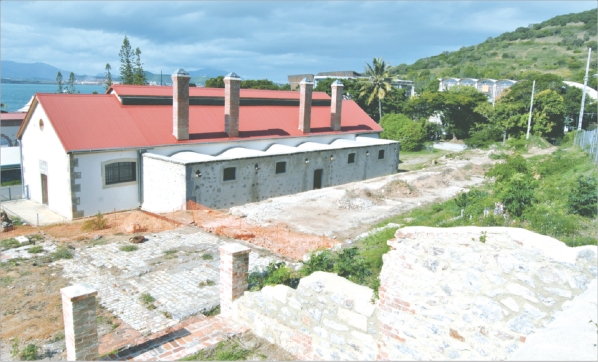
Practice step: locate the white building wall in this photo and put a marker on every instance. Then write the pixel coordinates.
(96, 197)
(42, 152)
(164, 185)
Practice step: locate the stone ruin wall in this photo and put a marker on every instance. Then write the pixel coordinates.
(458, 293)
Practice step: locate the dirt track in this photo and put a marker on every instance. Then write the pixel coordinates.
(345, 211)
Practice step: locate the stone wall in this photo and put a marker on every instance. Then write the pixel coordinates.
(458, 293)
(326, 318)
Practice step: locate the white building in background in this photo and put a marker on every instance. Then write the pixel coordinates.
(168, 147)
(492, 88)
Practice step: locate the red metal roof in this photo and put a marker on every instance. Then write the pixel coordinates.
(11, 116)
(100, 121)
(166, 91)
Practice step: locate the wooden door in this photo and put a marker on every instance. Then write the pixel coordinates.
(44, 189)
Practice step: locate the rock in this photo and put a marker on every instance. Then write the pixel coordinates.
(96, 237)
(137, 239)
(521, 324)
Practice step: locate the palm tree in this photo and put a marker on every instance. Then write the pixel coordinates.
(378, 82)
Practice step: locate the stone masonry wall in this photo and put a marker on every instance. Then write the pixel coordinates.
(325, 318)
(463, 293)
(474, 293)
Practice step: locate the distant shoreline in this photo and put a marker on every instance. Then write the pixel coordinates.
(17, 81)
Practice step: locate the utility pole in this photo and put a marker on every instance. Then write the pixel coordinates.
(531, 106)
(585, 83)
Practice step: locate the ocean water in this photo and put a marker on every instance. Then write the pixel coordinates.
(15, 96)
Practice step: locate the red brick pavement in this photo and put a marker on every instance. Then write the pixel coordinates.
(172, 344)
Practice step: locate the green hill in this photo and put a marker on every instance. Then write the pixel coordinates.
(557, 46)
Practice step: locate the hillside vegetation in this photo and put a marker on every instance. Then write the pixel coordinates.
(558, 46)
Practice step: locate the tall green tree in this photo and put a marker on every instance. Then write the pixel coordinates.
(108, 80)
(126, 62)
(70, 88)
(59, 82)
(138, 73)
(378, 82)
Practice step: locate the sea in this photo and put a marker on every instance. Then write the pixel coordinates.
(15, 96)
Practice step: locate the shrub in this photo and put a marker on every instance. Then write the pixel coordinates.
(319, 260)
(582, 198)
(401, 128)
(484, 138)
(351, 265)
(518, 193)
(503, 171)
(207, 257)
(275, 273)
(61, 253)
(128, 248)
(517, 144)
(97, 223)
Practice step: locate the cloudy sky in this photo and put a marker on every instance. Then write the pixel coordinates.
(256, 39)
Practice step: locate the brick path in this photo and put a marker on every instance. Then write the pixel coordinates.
(173, 344)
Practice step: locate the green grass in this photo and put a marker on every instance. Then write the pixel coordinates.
(224, 351)
(128, 248)
(6, 281)
(147, 298)
(61, 253)
(170, 251)
(9, 243)
(35, 249)
(207, 256)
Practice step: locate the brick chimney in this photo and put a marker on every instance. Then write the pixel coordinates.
(232, 89)
(180, 104)
(336, 105)
(305, 89)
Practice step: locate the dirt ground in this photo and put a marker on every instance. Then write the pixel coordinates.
(31, 306)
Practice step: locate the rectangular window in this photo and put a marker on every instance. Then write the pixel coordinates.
(119, 172)
(380, 154)
(281, 167)
(229, 174)
(351, 158)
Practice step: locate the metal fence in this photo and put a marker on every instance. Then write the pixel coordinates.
(588, 141)
(12, 193)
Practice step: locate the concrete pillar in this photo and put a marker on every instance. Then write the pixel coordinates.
(234, 266)
(232, 90)
(80, 329)
(305, 90)
(336, 105)
(180, 104)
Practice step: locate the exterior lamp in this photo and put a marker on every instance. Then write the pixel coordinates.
(331, 157)
(256, 167)
(306, 160)
(367, 153)
(198, 173)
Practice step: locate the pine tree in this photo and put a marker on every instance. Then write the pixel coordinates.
(108, 81)
(138, 74)
(59, 82)
(126, 63)
(70, 88)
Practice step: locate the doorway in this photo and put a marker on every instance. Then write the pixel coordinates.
(44, 189)
(318, 178)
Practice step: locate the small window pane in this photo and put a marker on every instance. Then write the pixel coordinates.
(281, 167)
(119, 172)
(380, 154)
(229, 173)
(351, 158)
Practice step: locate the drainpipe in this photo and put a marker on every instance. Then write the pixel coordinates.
(140, 176)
